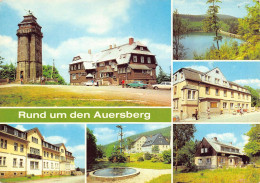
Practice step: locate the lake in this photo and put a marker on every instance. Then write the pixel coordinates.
(200, 42)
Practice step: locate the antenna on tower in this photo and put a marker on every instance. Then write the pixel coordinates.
(121, 136)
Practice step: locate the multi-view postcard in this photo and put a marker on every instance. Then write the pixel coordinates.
(215, 30)
(216, 91)
(85, 53)
(216, 153)
(134, 153)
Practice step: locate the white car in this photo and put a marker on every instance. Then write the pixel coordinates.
(162, 85)
(89, 83)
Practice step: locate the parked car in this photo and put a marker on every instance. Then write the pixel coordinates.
(89, 83)
(162, 85)
(137, 84)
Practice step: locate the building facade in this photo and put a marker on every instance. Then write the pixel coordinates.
(27, 153)
(129, 62)
(146, 144)
(193, 90)
(137, 144)
(29, 54)
(212, 153)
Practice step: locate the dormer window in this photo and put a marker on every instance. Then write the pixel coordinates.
(217, 71)
(22, 135)
(15, 132)
(216, 80)
(5, 128)
(141, 48)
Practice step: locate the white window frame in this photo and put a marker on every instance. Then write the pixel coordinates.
(134, 58)
(149, 60)
(74, 76)
(192, 96)
(142, 59)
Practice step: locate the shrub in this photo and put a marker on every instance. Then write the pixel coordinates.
(167, 156)
(147, 156)
(140, 159)
(117, 158)
(154, 160)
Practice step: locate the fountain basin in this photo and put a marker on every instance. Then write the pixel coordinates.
(112, 174)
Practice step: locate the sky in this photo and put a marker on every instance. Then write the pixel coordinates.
(226, 133)
(71, 28)
(243, 73)
(234, 8)
(107, 133)
(73, 136)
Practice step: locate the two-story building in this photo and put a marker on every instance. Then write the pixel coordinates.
(193, 90)
(27, 153)
(211, 153)
(129, 62)
(147, 143)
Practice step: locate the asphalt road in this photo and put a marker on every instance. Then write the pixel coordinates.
(246, 117)
(72, 179)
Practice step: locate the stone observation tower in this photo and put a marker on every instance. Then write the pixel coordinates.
(29, 54)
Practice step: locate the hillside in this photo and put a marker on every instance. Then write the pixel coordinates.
(164, 131)
(197, 18)
(194, 23)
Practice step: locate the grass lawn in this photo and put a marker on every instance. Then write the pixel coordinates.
(239, 175)
(162, 179)
(18, 179)
(146, 164)
(49, 97)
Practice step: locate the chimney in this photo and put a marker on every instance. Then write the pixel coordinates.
(89, 51)
(110, 46)
(131, 41)
(215, 138)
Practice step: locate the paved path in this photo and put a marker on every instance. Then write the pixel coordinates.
(72, 179)
(145, 176)
(147, 97)
(246, 117)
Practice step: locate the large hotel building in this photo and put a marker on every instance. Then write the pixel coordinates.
(193, 90)
(25, 153)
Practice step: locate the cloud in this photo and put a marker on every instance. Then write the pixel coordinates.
(96, 17)
(8, 49)
(129, 133)
(77, 149)
(20, 127)
(56, 139)
(105, 135)
(198, 68)
(224, 137)
(244, 141)
(250, 82)
(150, 127)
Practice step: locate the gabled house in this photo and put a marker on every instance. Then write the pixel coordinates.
(211, 153)
(146, 144)
(137, 144)
(130, 62)
(193, 89)
(156, 140)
